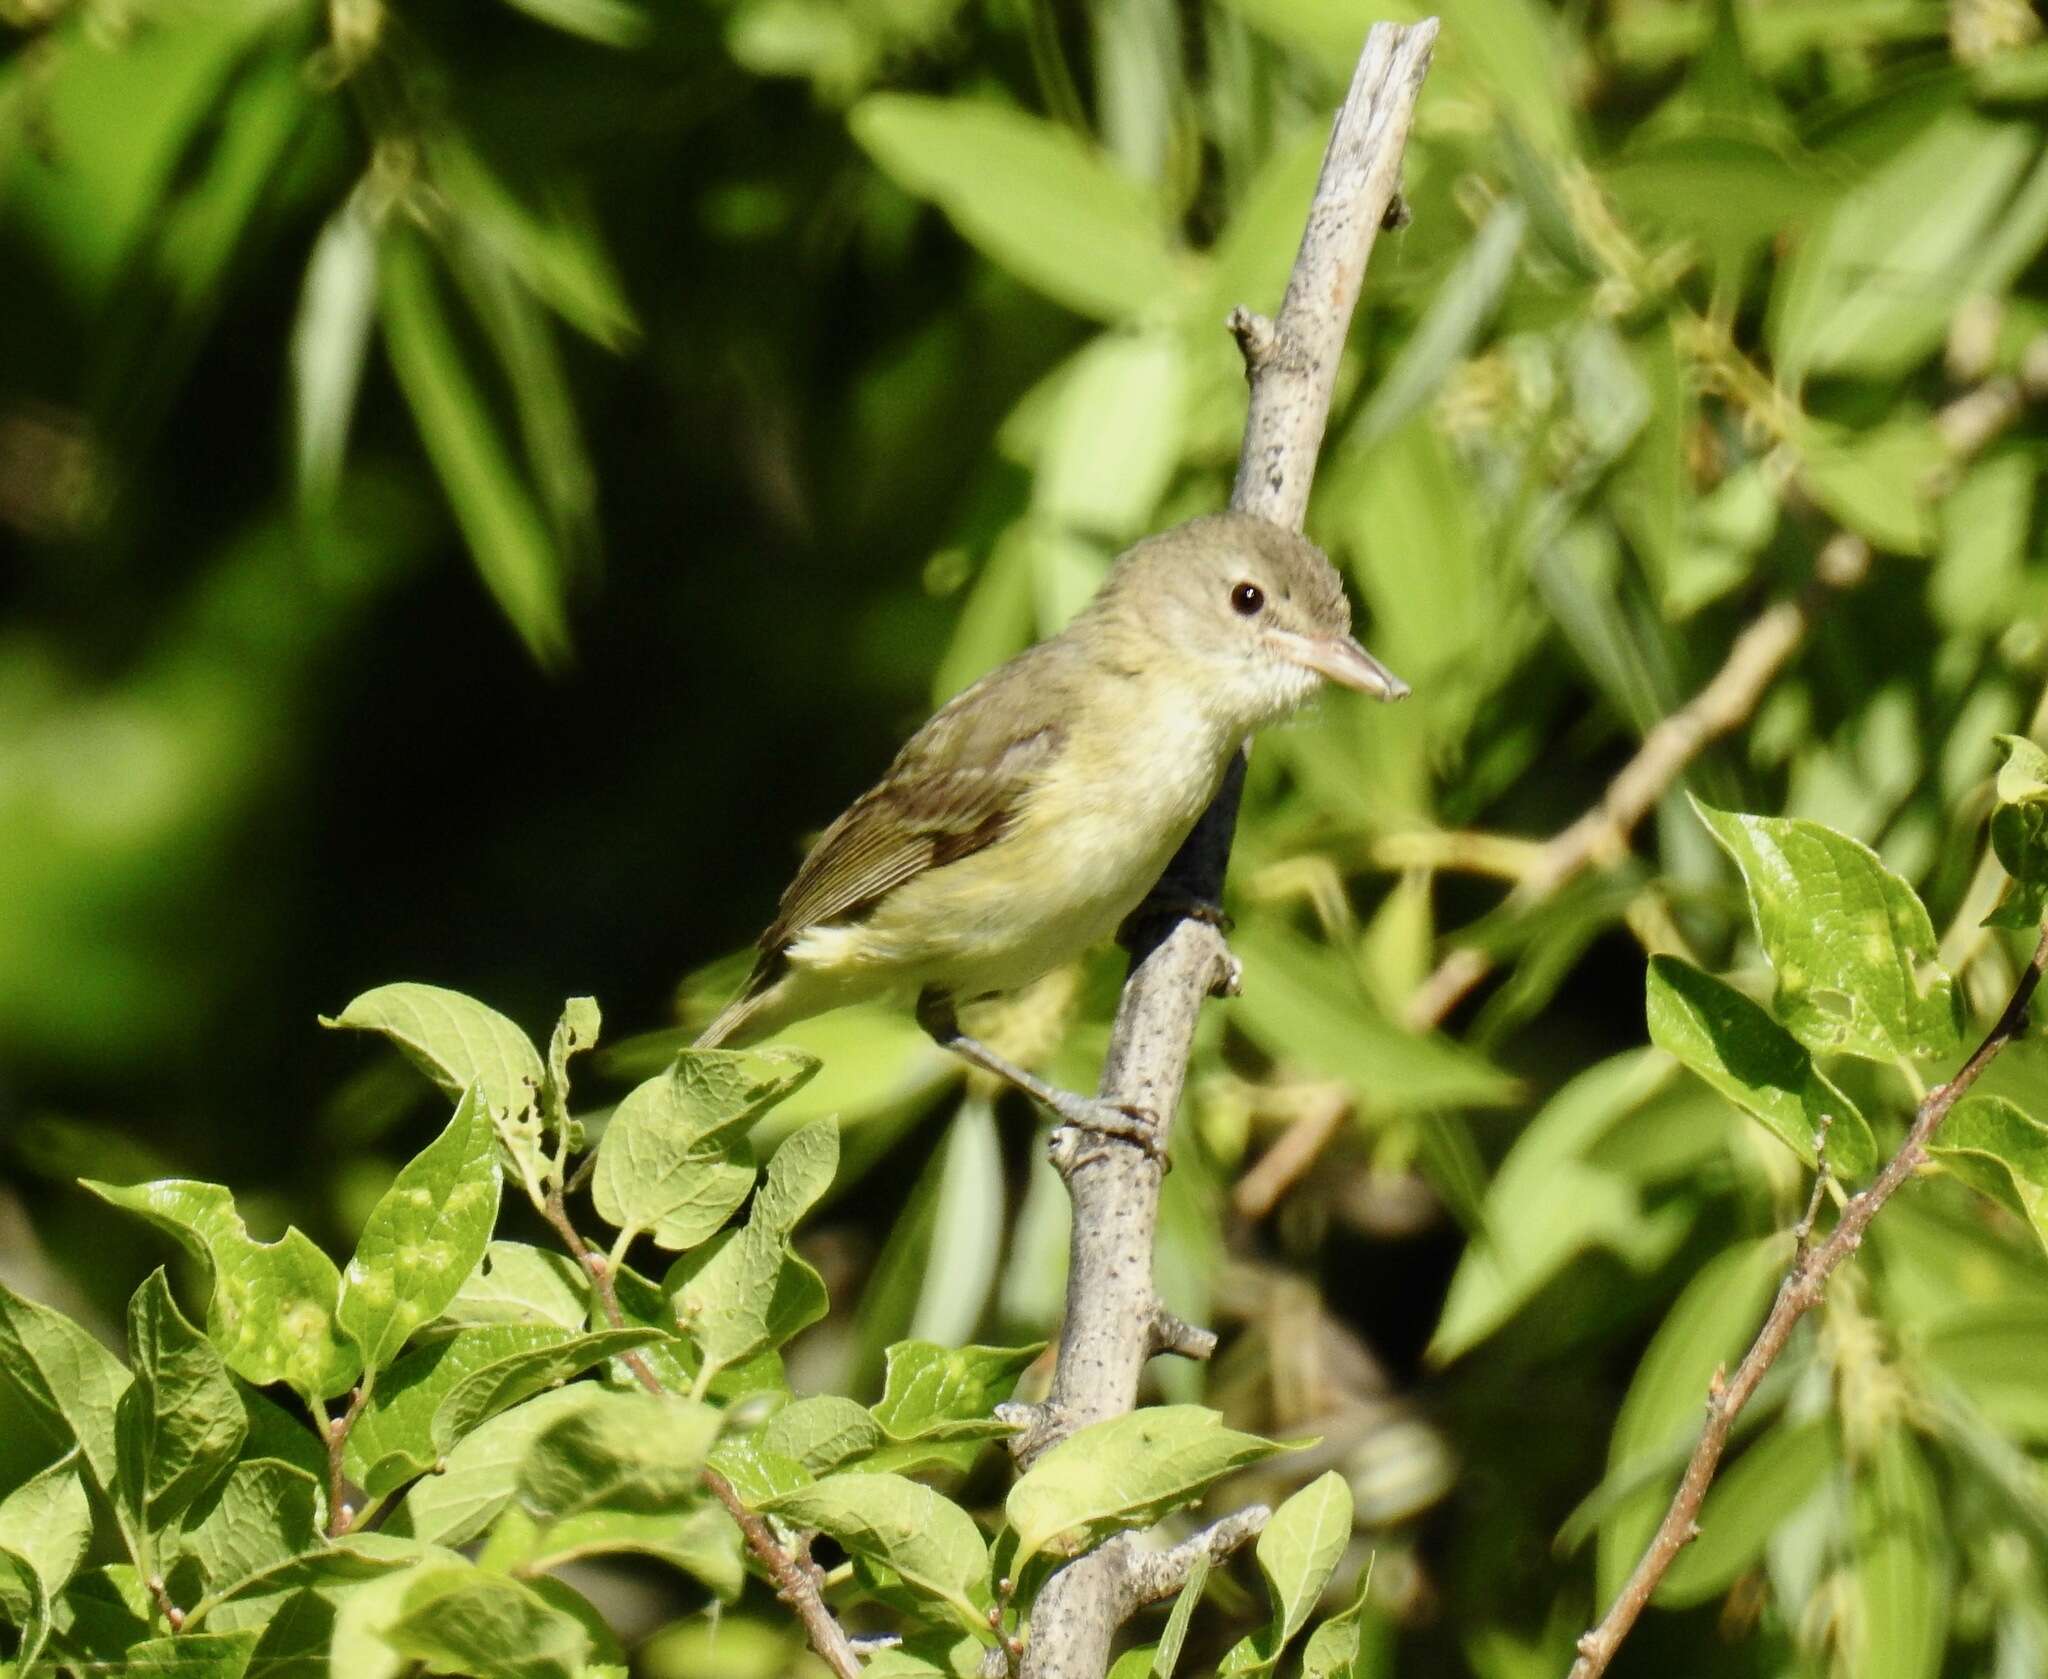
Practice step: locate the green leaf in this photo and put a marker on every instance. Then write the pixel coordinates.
(1304, 1002)
(193, 1655)
(267, 1513)
(520, 1283)
(457, 1619)
(1873, 288)
(821, 1432)
(330, 341)
(1166, 1657)
(1298, 1551)
(928, 1540)
(52, 1370)
(1876, 481)
(179, 1425)
(501, 1385)
(481, 1475)
(1549, 1202)
(747, 1292)
(1996, 1147)
(1337, 1649)
(757, 1474)
(1114, 435)
(1767, 1484)
(2019, 833)
(507, 537)
(1852, 945)
(701, 1540)
(574, 1034)
(424, 1236)
(1711, 1324)
(948, 1393)
(1902, 1564)
(1123, 1472)
(1753, 1061)
(1031, 195)
(45, 1529)
(271, 1309)
(625, 1450)
(392, 1439)
(675, 1161)
(459, 1043)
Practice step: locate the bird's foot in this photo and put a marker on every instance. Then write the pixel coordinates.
(1130, 1122)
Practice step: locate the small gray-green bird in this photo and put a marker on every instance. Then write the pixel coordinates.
(1035, 810)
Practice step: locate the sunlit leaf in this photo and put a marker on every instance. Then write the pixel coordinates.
(2019, 833)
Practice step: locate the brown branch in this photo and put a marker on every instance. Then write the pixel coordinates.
(1114, 1320)
(1798, 1294)
(796, 1579)
(1283, 1165)
(1968, 425)
(339, 1517)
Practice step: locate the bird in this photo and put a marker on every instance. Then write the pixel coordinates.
(1037, 809)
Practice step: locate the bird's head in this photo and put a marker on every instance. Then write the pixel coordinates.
(1256, 610)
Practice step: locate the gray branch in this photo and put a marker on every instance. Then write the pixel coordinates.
(1115, 1320)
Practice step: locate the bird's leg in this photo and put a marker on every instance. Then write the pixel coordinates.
(1085, 1113)
(1166, 899)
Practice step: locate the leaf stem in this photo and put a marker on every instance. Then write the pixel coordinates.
(1798, 1294)
(339, 1517)
(796, 1581)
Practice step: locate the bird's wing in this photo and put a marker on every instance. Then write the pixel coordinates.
(954, 789)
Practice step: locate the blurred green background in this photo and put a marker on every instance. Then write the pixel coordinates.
(479, 483)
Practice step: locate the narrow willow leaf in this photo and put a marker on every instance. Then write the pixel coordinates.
(507, 537)
(179, 1425)
(1998, 1148)
(1708, 1327)
(1031, 195)
(272, 1304)
(675, 1162)
(1769, 1482)
(1126, 1471)
(58, 1374)
(1902, 1565)
(822, 1432)
(426, 1233)
(1166, 1656)
(330, 339)
(458, 1619)
(1852, 945)
(928, 1540)
(1759, 1066)
(2019, 833)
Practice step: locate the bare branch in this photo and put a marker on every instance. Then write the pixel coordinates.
(1798, 1294)
(1114, 1320)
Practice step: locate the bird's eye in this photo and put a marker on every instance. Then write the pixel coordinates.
(1247, 598)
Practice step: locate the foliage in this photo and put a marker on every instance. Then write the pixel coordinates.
(859, 337)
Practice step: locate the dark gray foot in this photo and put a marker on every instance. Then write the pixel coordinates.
(1132, 1123)
(1165, 901)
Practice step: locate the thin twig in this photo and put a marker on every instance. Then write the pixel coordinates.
(1283, 1165)
(1798, 1294)
(1114, 1320)
(339, 1517)
(796, 1580)
(1968, 425)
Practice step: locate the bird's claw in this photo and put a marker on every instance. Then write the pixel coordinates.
(1130, 1122)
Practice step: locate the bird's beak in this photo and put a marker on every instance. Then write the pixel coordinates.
(1342, 660)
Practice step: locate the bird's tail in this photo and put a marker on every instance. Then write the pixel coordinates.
(741, 1021)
